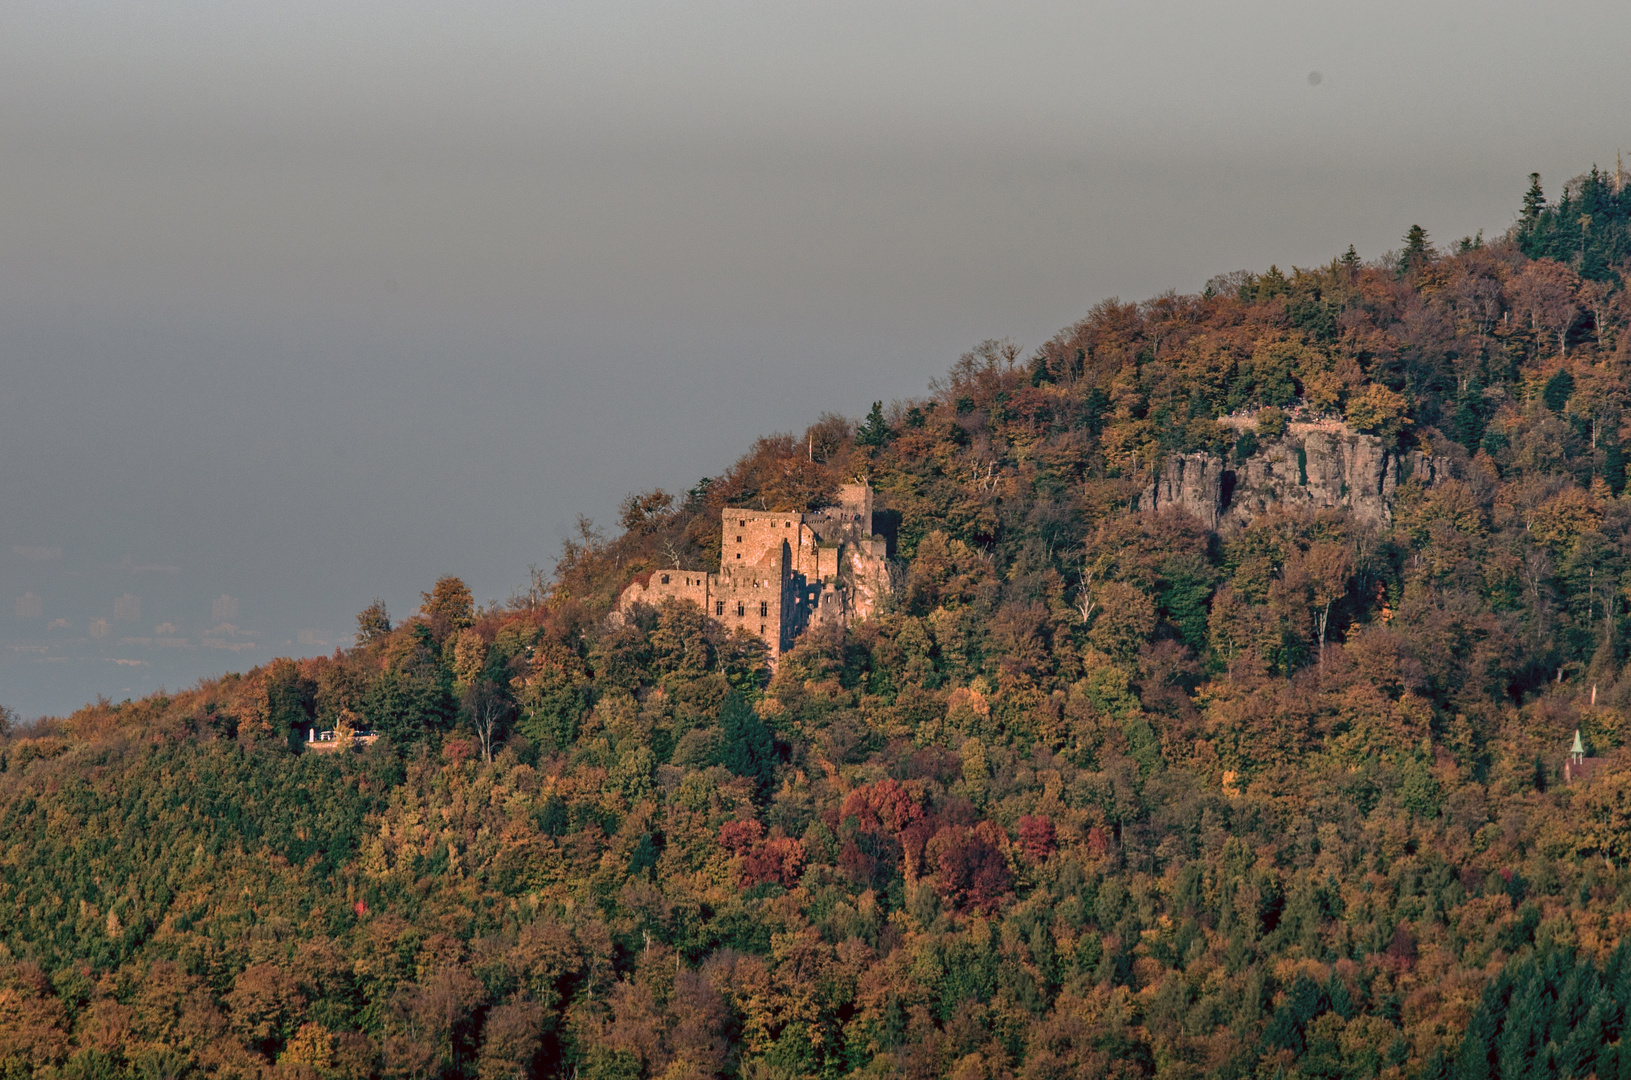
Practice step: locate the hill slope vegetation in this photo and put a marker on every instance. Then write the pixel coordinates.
(1102, 793)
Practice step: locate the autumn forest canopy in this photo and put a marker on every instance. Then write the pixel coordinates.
(1101, 791)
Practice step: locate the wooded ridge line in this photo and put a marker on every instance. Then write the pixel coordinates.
(1234, 686)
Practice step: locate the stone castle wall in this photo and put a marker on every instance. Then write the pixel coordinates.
(660, 585)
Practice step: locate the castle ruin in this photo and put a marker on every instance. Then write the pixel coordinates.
(781, 573)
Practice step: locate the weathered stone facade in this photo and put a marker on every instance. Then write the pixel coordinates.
(1313, 466)
(781, 573)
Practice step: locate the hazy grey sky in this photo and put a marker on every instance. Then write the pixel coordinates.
(305, 303)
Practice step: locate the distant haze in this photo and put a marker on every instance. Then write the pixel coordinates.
(303, 304)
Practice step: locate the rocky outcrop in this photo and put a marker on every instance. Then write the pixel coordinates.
(1314, 466)
(1190, 482)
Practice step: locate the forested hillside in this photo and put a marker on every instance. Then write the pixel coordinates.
(1102, 793)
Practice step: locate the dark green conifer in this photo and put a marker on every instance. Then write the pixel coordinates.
(874, 431)
(1522, 1027)
(1468, 423)
(1418, 250)
(1476, 1058)
(749, 749)
(1534, 200)
(1559, 388)
(1577, 1057)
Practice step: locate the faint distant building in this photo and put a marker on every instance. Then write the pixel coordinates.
(30, 606)
(127, 607)
(224, 608)
(99, 627)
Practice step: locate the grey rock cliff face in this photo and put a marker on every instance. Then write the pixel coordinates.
(1190, 482)
(1314, 466)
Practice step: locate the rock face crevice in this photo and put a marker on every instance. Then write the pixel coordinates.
(1313, 466)
(1191, 482)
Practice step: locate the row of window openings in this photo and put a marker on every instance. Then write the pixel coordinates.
(785, 525)
(741, 608)
(699, 582)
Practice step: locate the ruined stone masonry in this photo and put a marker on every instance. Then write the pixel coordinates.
(1314, 466)
(781, 573)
